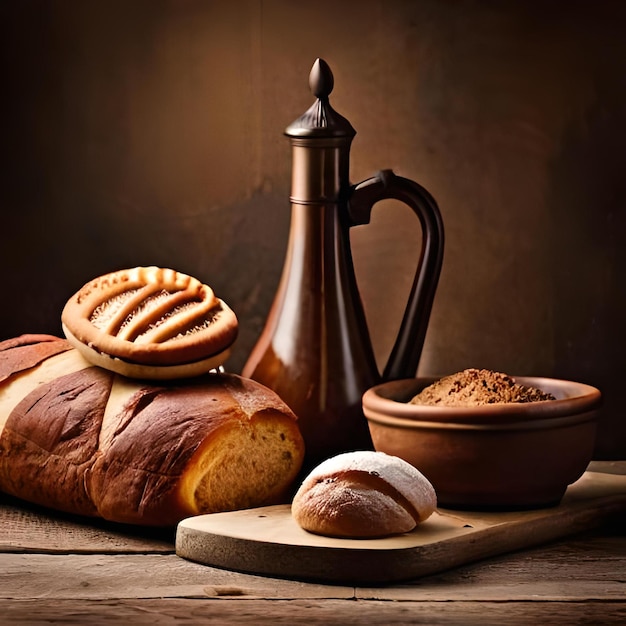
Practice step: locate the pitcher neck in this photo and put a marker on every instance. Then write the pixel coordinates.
(320, 170)
(320, 140)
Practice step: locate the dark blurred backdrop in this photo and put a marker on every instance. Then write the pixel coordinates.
(151, 132)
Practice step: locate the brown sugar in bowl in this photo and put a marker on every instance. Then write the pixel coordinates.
(496, 456)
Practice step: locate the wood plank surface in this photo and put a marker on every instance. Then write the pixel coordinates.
(77, 576)
(577, 581)
(586, 568)
(311, 613)
(28, 528)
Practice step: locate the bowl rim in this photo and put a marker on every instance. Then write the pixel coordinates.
(390, 399)
(499, 425)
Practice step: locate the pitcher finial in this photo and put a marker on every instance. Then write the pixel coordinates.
(321, 120)
(321, 80)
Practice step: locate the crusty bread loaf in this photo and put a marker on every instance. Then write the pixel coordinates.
(150, 322)
(82, 439)
(363, 494)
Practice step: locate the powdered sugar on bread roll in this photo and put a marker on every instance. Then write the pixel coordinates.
(363, 494)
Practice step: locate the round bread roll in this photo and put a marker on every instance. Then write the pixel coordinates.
(150, 322)
(362, 495)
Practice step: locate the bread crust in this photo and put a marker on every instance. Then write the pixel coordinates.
(150, 316)
(93, 443)
(51, 438)
(363, 494)
(26, 352)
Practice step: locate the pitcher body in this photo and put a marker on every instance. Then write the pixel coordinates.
(315, 350)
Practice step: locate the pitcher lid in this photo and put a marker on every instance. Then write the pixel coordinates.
(321, 120)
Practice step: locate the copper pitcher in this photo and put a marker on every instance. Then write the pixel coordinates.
(315, 350)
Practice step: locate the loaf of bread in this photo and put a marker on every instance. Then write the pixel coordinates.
(363, 494)
(79, 438)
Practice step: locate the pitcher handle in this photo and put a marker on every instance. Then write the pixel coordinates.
(407, 349)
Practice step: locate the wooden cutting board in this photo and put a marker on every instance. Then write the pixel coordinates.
(267, 541)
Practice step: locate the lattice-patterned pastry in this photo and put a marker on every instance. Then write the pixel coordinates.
(150, 322)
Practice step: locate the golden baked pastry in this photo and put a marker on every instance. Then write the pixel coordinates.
(150, 322)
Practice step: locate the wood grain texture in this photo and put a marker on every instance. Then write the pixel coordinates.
(311, 613)
(28, 528)
(106, 577)
(588, 568)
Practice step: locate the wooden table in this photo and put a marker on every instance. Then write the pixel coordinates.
(59, 569)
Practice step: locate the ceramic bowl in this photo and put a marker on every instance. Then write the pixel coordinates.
(498, 456)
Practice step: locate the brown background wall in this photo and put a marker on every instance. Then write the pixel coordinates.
(150, 132)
